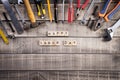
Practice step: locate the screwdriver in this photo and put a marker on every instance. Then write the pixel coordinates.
(49, 10)
(63, 11)
(56, 10)
(40, 8)
(2, 34)
(70, 11)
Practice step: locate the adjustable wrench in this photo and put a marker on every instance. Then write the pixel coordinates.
(24, 23)
(110, 31)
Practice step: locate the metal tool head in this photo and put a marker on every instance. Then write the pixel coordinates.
(108, 34)
(98, 24)
(20, 1)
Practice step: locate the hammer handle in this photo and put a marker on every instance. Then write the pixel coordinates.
(30, 11)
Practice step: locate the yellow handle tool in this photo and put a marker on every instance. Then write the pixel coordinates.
(49, 10)
(30, 11)
(4, 37)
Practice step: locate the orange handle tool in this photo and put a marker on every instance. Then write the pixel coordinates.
(30, 11)
(113, 12)
(103, 12)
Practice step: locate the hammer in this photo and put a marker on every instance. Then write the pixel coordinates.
(30, 13)
(110, 31)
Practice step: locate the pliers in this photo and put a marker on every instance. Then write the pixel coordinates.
(81, 7)
(103, 17)
(40, 8)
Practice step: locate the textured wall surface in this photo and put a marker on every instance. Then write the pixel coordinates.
(90, 59)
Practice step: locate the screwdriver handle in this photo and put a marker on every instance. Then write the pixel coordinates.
(85, 4)
(103, 12)
(78, 3)
(70, 12)
(56, 10)
(4, 37)
(30, 11)
(49, 10)
(111, 13)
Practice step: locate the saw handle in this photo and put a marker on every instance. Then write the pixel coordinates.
(112, 13)
(85, 4)
(30, 11)
(105, 8)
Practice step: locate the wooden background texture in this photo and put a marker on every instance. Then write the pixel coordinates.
(24, 56)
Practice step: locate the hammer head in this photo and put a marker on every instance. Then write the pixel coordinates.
(109, 34)
(20, 1)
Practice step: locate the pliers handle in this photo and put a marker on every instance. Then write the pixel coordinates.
(79, 7)
(111, 13)
(103, 12)
(84, 5)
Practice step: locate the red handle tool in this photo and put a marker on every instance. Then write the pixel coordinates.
(85, 4)
(79, 7)
(70, 12)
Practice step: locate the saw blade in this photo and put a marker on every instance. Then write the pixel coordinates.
(11, 13)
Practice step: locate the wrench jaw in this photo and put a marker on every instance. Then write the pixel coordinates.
(109, 34)
(20, 1)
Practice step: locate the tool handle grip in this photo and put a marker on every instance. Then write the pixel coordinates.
(4, 37)
(105, 8)
(30, 11)
(49, 10)
(4, 14)
(112, 13)
(85, 4)
(78, 3)
(56, 10)
(70, 14)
